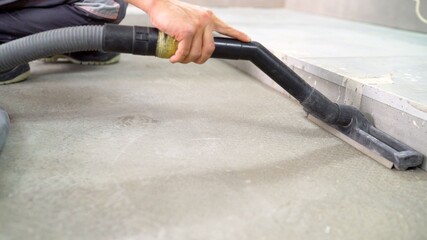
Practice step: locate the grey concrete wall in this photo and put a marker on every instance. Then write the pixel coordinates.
(391, 13)
(238, 3)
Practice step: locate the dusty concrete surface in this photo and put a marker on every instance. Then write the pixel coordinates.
(150, 150)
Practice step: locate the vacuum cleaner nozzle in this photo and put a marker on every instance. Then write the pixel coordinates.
(346, 119)
(349, 122)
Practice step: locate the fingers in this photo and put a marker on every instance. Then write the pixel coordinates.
(195, 36)
(184, 48)
(196, 48)
(208, 46)
(225, 29)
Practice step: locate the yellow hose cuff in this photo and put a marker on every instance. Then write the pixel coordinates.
(166, 46)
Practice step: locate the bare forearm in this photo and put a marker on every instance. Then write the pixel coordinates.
(144, 5)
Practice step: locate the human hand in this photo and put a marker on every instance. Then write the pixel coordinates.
(192, 26)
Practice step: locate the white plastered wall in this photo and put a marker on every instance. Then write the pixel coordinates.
(392, 13)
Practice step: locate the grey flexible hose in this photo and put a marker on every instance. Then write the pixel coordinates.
(4, 128)
(44, 44)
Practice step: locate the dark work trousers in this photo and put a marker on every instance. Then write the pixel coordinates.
(20, 22)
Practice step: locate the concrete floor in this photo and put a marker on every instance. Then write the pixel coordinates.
(149, 150)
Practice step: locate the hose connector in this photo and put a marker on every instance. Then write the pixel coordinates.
(130, 39)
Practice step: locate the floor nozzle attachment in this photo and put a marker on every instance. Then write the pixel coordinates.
(401, 155)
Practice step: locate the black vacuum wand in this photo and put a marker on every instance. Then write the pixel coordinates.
(149, 41)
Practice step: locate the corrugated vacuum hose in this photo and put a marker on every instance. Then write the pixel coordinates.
(349, 121)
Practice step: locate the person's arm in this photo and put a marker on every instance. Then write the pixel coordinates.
(192, 26)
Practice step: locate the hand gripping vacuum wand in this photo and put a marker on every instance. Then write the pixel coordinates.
(347, 120)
